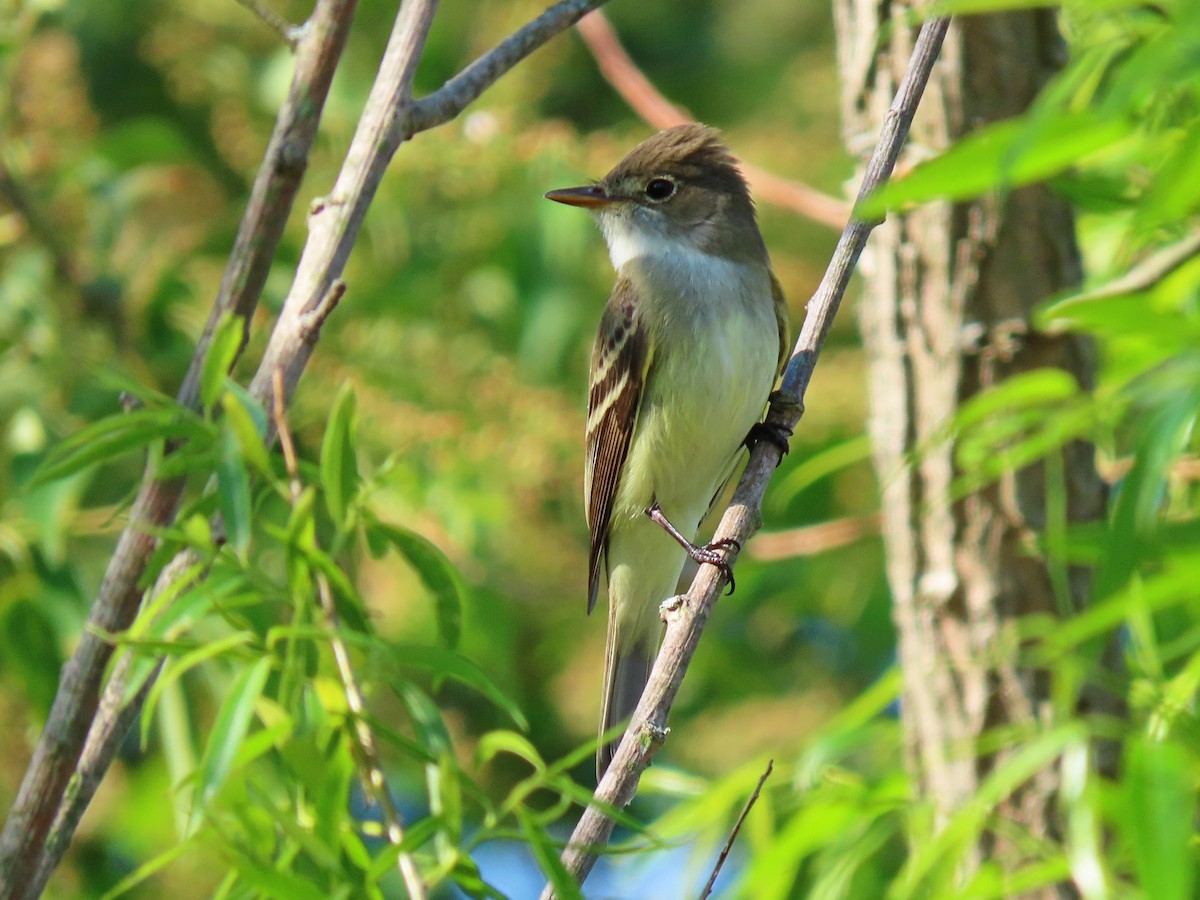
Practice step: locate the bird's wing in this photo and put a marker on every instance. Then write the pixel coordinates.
(781, 319)
(620, 362)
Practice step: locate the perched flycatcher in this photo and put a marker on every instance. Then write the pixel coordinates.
(690, 343)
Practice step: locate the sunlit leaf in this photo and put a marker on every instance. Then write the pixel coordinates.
(1161, 794)
(1008, 154)
(437, 573)
(230, 729)
(448, 664)
(226, 342)
(339, 465)
(233, 492)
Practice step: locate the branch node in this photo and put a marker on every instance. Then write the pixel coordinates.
(320, 204)
(312, 320)
(651, 736)
(668, 608)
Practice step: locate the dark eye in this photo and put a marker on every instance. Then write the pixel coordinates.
(660, 188)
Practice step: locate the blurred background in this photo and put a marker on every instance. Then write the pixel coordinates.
(130, 133)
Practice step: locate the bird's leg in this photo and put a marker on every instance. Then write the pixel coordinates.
(711, 553)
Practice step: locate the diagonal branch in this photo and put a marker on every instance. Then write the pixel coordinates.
(685, 621)
(644, 98)
(44, 816)
(75, 704)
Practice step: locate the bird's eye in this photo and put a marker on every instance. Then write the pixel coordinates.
(660, 188)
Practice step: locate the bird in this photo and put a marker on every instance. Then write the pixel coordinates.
(690, 344)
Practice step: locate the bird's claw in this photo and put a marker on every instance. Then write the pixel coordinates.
(714, 555)
(779, 435)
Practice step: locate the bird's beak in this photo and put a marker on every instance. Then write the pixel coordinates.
(591, 197)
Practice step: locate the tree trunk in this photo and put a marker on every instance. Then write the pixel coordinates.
(945, 314)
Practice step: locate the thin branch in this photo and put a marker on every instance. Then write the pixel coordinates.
(737, 826)
(685, 620)
(290, 33)
(460, 91)
(365, 748)
(37, 807)
(620, 71)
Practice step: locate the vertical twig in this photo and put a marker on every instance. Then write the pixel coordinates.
(365, 747)
(648, 728)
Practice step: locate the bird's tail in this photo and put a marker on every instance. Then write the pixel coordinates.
(626, 671)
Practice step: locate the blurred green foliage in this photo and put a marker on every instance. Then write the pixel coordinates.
(445, 481)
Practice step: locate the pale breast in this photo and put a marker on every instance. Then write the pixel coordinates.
(713, 368)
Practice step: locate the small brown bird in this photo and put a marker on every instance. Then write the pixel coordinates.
(690, 343)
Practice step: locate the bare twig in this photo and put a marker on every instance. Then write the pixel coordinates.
(648, 728)
(290, 33)
(390, 117)
(737, 826)
(643, 97)
(37, 807)
(365, 748)
(460, 91)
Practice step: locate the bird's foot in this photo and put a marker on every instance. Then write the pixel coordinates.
(772, 432)
(714, 553)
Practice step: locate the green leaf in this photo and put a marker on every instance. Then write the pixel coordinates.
(445, 793)
(113, 436)
(150, 867)
(230, 729)
(1007, 154)
(248, 430)
(233, 493)
(222, 352)
(437, 573)
(175, 670)
(339, 464)
(547, 858)
(932, 863)
(448, 664)
(426, 719)
(1161, 800)
(273, 883)
(508, 742)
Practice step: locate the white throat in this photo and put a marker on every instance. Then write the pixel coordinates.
(626, 243)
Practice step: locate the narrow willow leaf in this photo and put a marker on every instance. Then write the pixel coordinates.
(233, 493)
(230, 729)
(1161, 800)
(339, 466)
(226, 341)
(1008, 154)
(113, 436)
(250, 439)
(547, 856)
(448, 664)
(437, 573)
